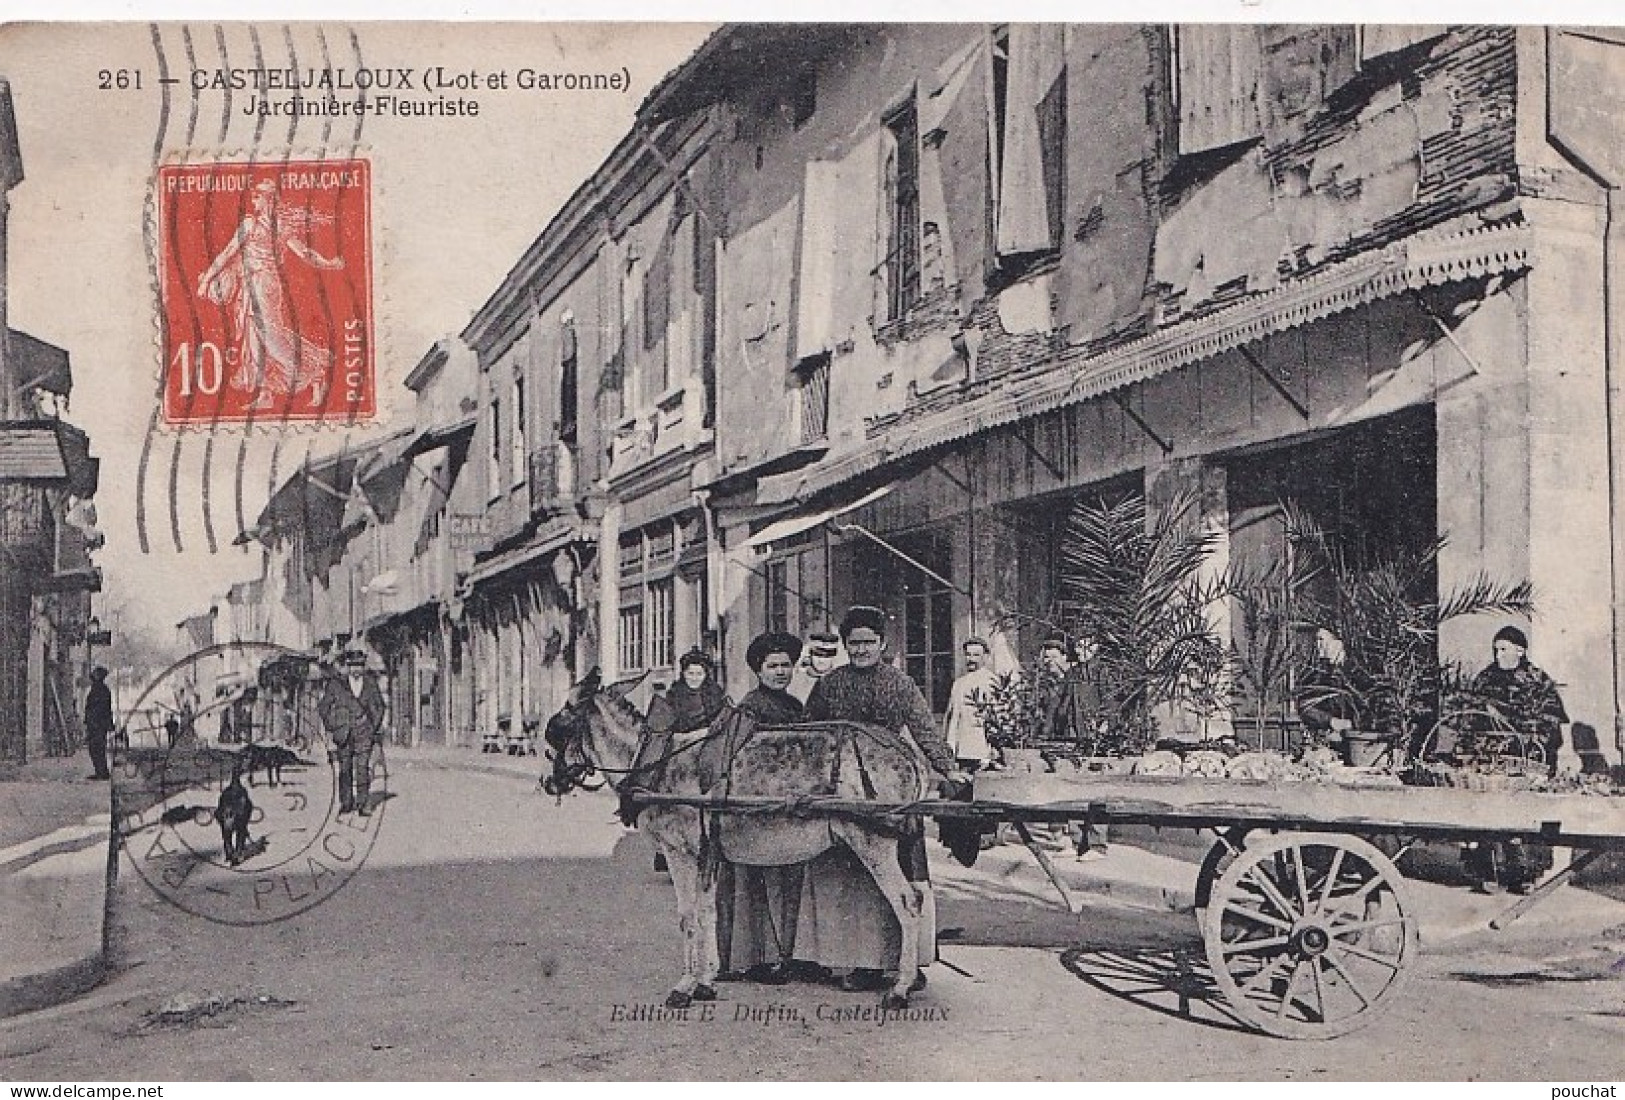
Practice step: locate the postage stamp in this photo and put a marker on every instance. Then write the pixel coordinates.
(266, 286)
(231, 798)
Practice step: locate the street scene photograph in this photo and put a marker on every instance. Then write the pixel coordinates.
(832, 551)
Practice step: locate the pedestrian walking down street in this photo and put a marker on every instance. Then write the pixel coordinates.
(98, 721)
(352, 712)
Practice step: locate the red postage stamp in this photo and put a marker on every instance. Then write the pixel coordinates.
(265, 270)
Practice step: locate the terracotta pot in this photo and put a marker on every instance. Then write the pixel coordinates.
(1367, 748)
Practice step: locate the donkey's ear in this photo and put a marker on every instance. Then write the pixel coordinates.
(580, 692)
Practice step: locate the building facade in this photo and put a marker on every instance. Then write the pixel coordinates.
(984, 272)
(47, 525)
(859, 313)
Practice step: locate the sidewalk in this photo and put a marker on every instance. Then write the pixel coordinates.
(54, 836)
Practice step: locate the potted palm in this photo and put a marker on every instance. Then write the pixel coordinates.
(1387, 616)
(1137, 584)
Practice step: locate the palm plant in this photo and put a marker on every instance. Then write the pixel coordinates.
(1273, 603)
(1137, 588)
(1388, 615)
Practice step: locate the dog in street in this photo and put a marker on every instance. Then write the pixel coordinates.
(232, 813)
(272, 758)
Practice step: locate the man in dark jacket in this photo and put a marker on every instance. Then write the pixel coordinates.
(1080, 708)
(98, 721)
(352, 712)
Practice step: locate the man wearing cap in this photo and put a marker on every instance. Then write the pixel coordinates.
(352, 712)
(844, 921)
(1528, 700)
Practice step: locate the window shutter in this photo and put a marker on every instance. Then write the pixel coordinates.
(1034, 134)
(1219, 68)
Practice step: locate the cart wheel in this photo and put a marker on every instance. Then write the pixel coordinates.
(1308, 935)
(1218, 858)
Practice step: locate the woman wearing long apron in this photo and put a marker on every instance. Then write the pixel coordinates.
(845, 922)
(757, 906)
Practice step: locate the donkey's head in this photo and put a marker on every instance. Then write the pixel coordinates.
(567, 734)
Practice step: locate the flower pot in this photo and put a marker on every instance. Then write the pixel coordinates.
(1367, 748)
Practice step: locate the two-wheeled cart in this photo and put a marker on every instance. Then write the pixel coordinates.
(1308, 926)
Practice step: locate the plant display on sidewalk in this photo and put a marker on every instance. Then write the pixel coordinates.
(1013, 709)
(1386, 614)
(1136, 585)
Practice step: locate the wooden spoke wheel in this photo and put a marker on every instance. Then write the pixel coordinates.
(1307, 935)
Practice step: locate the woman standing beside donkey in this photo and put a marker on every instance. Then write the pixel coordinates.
(844, 921)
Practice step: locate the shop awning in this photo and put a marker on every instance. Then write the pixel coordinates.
(1411, 264)
(440, 435)
(795, 525)
(51, 451)
(553, 535)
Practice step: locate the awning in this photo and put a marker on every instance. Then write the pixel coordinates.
(659, 502)
(440, 435)
(48, 451)
(1412, 264)
(795, 525)
(553, 535)
(380, 478)
(739, 55)
(38, 365)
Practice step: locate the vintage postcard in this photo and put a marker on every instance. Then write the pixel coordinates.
(858, 551)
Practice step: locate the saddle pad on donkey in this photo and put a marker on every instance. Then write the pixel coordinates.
(824, 759)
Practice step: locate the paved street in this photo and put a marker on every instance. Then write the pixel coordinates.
(493, 934)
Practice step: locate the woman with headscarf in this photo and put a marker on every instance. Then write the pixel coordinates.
(689, 705)
(845, 922)
(757, 906)
(693, 702)
(1529, 702)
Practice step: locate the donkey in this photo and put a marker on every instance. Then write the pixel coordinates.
(599, 731)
